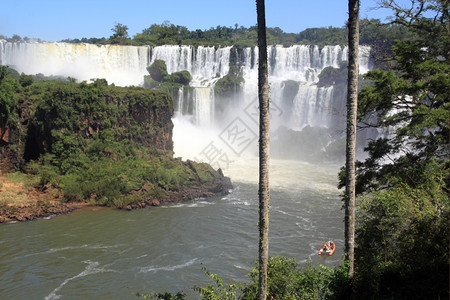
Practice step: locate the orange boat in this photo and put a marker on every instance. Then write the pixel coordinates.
(327, 248)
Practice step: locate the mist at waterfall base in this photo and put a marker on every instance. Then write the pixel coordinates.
(106, 253)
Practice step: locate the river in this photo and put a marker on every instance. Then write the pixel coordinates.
(101, 253)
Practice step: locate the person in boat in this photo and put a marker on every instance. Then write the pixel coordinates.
(328, 246)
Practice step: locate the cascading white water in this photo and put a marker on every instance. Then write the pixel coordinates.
(331, 56)
(316, 111)
(177, 58)
(179, 109)
(292, 62)
(204, 106)
(206, 64)
(117, 64)
(123, 65)
(313, 106)
(293, 70)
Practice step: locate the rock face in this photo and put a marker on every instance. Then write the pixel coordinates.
(139, 115)
(4, 141)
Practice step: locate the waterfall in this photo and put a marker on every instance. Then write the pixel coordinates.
(293, 73)
(331, 56)
(364, 60)
(311, 106)
(117, 64)
(177, 58)
(206, 64)
(180, 102)
(204, 106)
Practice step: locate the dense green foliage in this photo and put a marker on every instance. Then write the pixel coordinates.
(403, 239)
(8, 98)
(158, 70)
(97, 142)
(159, 77)
(324, 36)
(413, 99)
(286, 280)
(380, 36)
(120, 34)
(333, 76)
(402, 236)
(230, 85)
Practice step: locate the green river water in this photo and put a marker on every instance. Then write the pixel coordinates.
(101, 253)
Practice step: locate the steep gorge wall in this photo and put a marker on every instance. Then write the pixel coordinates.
(50, 111)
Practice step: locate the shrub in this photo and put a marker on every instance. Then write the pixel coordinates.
(158, 70)
(182, 77)
(286, 280)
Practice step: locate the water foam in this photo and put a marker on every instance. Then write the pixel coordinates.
(167, 268)
(90, 269)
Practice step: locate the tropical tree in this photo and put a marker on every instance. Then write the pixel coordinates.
(403, 187)
(409, 103)
(264, 194)
(120, 34)
(352, 106)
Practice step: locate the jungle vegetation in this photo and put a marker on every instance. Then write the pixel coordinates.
(402, 187)
(93, 141)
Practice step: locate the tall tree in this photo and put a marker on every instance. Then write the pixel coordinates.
(411, 101)
(264, 193)
(352, 107)
(120, 34)
(404, 182)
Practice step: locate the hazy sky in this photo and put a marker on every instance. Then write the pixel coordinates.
(55, 20)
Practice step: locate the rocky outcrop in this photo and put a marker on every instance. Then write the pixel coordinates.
(220, 186)
(204, 182)
(35, 211)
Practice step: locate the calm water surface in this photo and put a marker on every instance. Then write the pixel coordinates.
(99, 253)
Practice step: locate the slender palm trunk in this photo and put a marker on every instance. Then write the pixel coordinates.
(264, 195)
(352, 107)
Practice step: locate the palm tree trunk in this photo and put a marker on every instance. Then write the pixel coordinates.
(264, 195)
(352, 106)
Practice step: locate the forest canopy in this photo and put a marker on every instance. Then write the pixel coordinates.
(372, 31)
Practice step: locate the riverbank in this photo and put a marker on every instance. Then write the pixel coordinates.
(20, 201)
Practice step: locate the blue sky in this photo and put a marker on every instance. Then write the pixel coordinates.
(55, 20)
